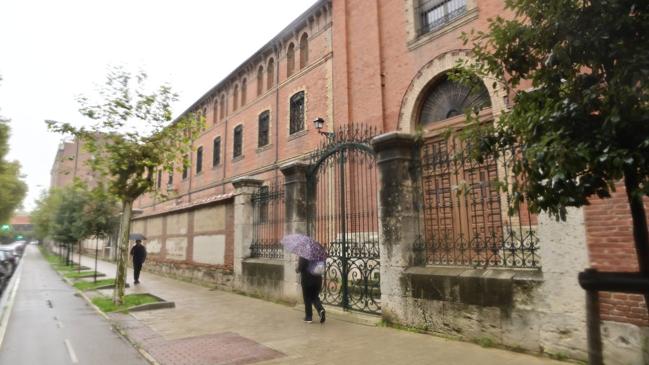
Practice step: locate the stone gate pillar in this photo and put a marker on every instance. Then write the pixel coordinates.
(295, 197)
(398, 216)
(243, 219)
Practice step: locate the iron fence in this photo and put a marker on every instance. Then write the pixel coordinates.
(268, 220)
(466, 218)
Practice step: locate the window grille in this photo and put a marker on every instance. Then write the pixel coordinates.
(297, 113)
(216, 151)
(199, 160)
(465, 210)
(435, 13)
(237, 148)
(264, 119)
(268, 220)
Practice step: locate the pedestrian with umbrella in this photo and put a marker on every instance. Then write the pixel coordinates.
(311, 266)
(139, 255)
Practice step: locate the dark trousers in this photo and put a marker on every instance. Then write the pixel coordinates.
(137, 267)
(311, 296)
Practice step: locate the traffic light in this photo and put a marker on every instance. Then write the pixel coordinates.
(5, 228)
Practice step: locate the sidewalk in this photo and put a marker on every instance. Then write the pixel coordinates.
(218, 327)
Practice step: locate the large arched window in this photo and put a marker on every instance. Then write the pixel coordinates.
(290, 60)
(270, 74)
(235, 97)
(447, 98)
(244, 91)
(260, 80)
(304, 50)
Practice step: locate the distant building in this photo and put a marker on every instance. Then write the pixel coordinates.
(70, 163)
(21, 224)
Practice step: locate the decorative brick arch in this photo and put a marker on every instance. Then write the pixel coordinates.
(412, 99)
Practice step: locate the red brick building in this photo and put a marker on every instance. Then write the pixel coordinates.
(380, 64)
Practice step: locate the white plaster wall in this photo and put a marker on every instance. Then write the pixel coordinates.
(209, 249)
(153, 246)
(137, 226)
(177, 224)
(561, 302)
(154, 226)
(209, 219)
(176, 248)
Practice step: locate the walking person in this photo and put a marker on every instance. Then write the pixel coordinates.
(311, 286)
(139, 255)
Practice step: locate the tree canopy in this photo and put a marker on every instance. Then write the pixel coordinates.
(578, 73)
(582, 119)
(12, 187)
(132, 135)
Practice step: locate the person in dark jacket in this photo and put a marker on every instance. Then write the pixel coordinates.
(139, 255)
(311, 286)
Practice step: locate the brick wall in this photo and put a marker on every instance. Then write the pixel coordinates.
(609, 233)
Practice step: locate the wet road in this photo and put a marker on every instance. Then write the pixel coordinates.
(50, 325)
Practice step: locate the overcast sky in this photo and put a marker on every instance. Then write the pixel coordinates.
(53, 50)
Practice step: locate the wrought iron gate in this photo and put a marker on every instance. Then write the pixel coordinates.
(342, 214)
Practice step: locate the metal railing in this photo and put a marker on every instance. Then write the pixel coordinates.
(268, 220)
(466, 216)
(434, 14)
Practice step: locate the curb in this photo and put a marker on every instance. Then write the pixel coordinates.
(162, 304)
(7, 302)
(147, 356)
(112, 323)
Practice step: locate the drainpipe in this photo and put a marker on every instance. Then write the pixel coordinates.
(277, 52)
(225, 141)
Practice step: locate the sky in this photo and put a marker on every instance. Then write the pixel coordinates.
(52, 51)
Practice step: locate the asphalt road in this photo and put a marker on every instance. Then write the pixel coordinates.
(50, 325)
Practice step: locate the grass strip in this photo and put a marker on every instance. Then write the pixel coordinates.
(131, 300)
(83, 274)
(89, 285)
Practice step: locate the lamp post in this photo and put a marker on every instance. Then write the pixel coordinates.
(319, 124)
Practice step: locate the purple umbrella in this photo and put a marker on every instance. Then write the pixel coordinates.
(304, 246)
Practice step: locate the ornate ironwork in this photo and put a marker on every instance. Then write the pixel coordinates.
(449, 98)
(262, 138)
(297, 113)
(343, 216)
(268, 220)
(465, 211)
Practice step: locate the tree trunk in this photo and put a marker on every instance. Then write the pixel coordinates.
(640, 231)
(122, 251)
(79, 268)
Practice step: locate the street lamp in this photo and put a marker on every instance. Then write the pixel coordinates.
(319, 124)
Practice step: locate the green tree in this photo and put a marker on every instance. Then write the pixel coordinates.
(101, 216)
(132, 136)
(69, 225)
(583, 121)
(42, 216)
(12, 188)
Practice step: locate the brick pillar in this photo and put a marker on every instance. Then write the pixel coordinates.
(295, 198)
(398, 216)
(243, 219)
